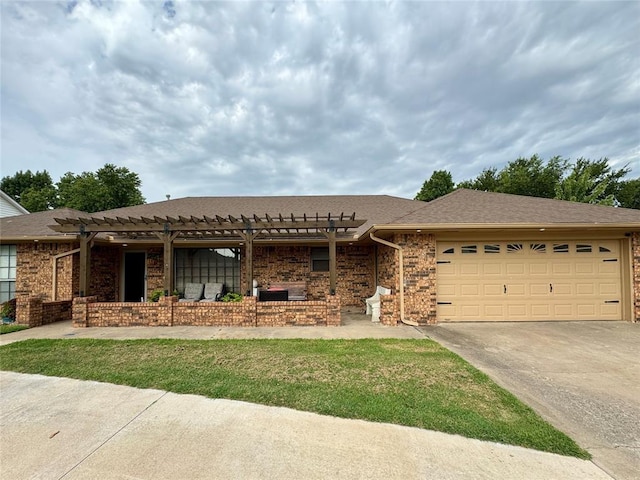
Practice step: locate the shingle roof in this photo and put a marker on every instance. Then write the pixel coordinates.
(34, 224)
(475, 207)
(375, 209)
(459, 207)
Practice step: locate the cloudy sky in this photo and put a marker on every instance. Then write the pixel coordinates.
(296, 98)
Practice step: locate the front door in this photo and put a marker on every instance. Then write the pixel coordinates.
(134, 276)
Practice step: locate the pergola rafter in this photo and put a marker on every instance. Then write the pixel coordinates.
(212, 228)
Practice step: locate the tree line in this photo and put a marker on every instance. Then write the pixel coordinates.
(585, 180)
(107, 188)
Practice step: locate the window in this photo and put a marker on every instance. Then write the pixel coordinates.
(469, 249)
(538, 247)
(492, 248)
(320, 259)
(449, 250)
(7, 272)
(583, 248)
(604, 249)
(560, 248)
(208, 265)
(514, 247)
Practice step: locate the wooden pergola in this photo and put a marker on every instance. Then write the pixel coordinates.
(245, 229)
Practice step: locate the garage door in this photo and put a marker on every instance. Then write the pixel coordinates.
(528, 280)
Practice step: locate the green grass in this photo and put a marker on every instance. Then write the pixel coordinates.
(8, 328)
(408, 382)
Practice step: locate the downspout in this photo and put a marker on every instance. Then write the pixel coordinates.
(54, 293)
(399, 249)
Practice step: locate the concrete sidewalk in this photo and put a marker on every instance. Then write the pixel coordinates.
(354, 325)
(63, 428)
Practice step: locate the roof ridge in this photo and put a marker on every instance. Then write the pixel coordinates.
(428, 204)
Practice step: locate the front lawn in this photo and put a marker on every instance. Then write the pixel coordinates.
(408, 382)
(10, 327)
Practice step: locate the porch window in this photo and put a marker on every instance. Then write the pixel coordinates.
(320, 259)
(208, 265)
(8, 259)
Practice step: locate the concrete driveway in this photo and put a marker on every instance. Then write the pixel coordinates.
(583, 377)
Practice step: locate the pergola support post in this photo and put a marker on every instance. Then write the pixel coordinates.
(248, 235)
(86, 240)
(167, 240)
(331, 235)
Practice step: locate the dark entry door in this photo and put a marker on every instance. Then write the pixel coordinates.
(134, 276)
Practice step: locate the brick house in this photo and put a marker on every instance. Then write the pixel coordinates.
(467, 256)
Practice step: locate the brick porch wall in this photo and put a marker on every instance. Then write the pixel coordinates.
(32, 311)
(635, 260)
(87, 312)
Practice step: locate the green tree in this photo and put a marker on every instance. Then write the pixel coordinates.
(487, 181)
(530, 176)
(34, 191)
(438, 185)
(628, 194)
(590, 181)
(109, 187)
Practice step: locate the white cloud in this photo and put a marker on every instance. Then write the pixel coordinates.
(234, 98)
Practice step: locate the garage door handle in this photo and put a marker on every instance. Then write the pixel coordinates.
(505, 288)
(551, 288)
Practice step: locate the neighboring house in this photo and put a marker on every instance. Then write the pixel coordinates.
(8, 208)
(467, 256)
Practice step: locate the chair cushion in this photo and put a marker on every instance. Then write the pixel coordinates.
(193, 292)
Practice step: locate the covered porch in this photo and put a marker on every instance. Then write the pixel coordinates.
(243, 234)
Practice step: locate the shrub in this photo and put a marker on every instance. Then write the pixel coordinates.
(156, 294)
(232, 297)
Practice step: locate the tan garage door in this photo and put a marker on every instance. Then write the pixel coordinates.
(529, 280)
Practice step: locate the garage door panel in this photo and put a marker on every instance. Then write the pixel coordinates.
(493, 290)
(469, 269)
(585, 289)
(561, 268)
(516, 269)
(539, 289)
(540, 311)
(470, 290)
(545, 280)
(584, 268)
(562, 289)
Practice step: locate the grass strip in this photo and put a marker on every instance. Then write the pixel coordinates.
(8, 328)
(416, 383)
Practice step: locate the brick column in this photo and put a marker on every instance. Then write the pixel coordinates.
(165, 313)
(80, 310)
(334, 318)
(29, 311)
(250, 311)
(389, 310)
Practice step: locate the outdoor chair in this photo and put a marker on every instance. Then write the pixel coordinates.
(192, 292)
(212, 292)
(373, 303)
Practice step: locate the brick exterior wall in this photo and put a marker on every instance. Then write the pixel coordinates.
(354, 264)
(419, 262)
(88, 312)
(635, 260)
(155, 270)
(105, 273)
(34, 272)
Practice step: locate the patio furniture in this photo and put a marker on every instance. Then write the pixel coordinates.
(273, 295)
(297, 290)
(192, 292)
(373, 303)
(212, 292)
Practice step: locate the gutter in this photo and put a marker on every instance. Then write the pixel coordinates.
(399, 249)
(54, 291)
